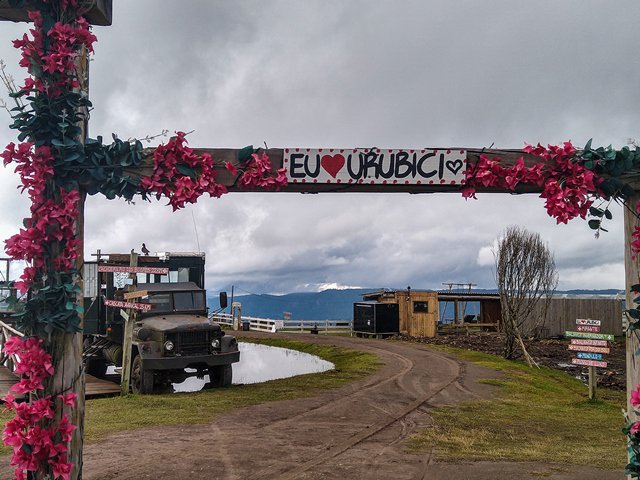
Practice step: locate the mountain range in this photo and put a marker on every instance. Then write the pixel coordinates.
(332, 304)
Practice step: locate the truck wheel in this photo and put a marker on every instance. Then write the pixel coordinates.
(141, 380)
(220, 376)
(96, 367)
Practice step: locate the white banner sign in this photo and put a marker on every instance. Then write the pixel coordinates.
(375, 166)
(588, 321)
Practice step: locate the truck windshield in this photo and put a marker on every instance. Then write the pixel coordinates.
(177, 302)
(188, 301)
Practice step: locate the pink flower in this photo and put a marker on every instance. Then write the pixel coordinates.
(231, 168)
(635, 396)
(69, 399)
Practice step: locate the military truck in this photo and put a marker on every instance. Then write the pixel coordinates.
(172, 334)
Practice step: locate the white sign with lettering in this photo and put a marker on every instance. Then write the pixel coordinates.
(376, 166)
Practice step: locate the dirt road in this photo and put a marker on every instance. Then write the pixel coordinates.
(355, 432)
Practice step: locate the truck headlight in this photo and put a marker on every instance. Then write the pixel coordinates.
(215, 343)
(168, 345)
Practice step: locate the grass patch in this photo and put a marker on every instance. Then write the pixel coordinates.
(116, 414)
(537, 415)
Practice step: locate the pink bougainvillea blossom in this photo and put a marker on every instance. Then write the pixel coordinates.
(47, 445)
(182, 176)
(567, 186)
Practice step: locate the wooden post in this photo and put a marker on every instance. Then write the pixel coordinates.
(593, 380)
(127, 343)
(632, 277)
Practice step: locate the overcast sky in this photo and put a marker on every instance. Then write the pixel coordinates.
(393, 74)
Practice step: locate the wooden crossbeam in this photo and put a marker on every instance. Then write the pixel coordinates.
(100, 13)
(277, 155)
(508, 158)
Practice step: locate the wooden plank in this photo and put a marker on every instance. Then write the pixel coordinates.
(595, 336)
(588, 342)
(100, 13)
(588, 328)
(589, 356)
(145, 307)
(95, 387)
(587, 348)
(588, 363)
(588, 321)
(130, 269)
(136, 294)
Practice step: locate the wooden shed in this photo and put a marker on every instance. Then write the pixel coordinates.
(417, 309)
(420, 314)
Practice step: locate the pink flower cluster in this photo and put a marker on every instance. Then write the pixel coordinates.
(179, 188)
(65, 42)
(566, 185)
(169, 179)
(36, 446)
(635, 403)
(51, 220)
(258, 174)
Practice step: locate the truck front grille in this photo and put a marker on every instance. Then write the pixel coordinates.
(190, 343)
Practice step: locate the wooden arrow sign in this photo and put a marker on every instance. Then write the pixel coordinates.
(136, 294)
(126, 269)
(597, 336)
(588, 363)
(145, 307)
(586, 348)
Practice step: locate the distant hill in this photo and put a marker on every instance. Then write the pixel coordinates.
(331, 304)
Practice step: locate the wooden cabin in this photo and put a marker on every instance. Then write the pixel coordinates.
(421, 313)
(417, 309)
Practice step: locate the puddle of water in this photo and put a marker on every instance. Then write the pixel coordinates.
(260, 363)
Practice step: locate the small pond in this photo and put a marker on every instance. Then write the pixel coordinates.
(260, 363)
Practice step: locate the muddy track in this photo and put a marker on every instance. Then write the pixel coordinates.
(405, 383)
(359, 431)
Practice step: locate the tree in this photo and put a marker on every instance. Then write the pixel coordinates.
(526, 276)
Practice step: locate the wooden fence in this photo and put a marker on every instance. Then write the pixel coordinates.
(563, 312)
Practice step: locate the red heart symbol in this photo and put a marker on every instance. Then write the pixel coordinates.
(332, 163)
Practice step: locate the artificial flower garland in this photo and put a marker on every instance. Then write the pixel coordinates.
(53, 164)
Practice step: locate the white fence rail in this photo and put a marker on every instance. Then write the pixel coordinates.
(270, 325)
(322, 326)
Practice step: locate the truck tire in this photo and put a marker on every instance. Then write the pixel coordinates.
(220, 376)
(141, 379)
(96, 367)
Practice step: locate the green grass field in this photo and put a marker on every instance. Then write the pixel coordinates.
(536, 415)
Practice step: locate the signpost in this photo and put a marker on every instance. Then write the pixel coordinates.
(589, 345)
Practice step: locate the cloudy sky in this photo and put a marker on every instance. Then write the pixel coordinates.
(337, 73)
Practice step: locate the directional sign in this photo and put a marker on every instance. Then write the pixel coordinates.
(124, 314)
(597, 336)
(591, 343)
(588, 363)
(588, 328)
(589, 356)
(145, 307)
(588, 321)
(126, 269)
(586, 348)
(136, 294)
